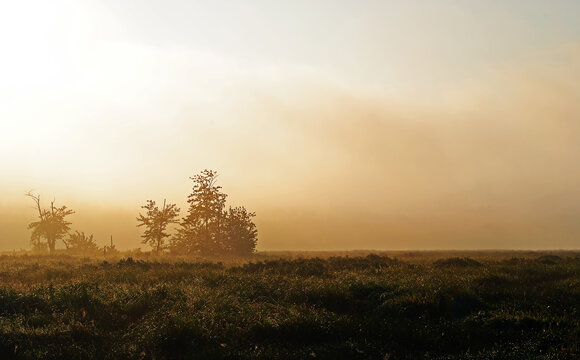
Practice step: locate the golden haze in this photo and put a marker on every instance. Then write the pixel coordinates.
(492, 165)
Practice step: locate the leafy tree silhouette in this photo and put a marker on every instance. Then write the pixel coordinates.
(241, 232)
(201, 231)
(155, 222)
(80, 243)
(208, 229)
(51, 225)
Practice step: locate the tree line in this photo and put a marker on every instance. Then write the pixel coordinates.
(207, 229)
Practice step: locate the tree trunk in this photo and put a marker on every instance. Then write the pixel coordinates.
(51, 246)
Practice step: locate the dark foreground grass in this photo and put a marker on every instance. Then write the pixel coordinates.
(370, 307)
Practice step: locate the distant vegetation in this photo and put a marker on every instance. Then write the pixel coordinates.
(50, 227)
(208, 229)
(372, 307)
(81, 244)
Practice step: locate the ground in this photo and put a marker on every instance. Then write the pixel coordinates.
(478, 305)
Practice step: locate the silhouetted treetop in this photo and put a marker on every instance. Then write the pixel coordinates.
(80, 243)
(208, 229)
(51, 225)
(155, 222)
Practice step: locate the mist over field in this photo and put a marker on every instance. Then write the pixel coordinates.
(386, 143)
(328, 169)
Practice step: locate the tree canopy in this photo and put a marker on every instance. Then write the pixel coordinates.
(241, 232)
(80, 243)
(155, 222)
(51, 225)
(208, 229)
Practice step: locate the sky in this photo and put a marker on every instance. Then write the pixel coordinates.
(342, 124)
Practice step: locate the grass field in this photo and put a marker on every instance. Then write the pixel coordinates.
(480, 305)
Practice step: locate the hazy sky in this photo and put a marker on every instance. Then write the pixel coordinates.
(343, 124)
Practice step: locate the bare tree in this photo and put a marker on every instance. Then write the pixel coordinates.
(51, 225)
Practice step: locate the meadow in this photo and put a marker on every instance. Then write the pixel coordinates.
(421, 305)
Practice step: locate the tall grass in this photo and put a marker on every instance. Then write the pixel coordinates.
(371, 307)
